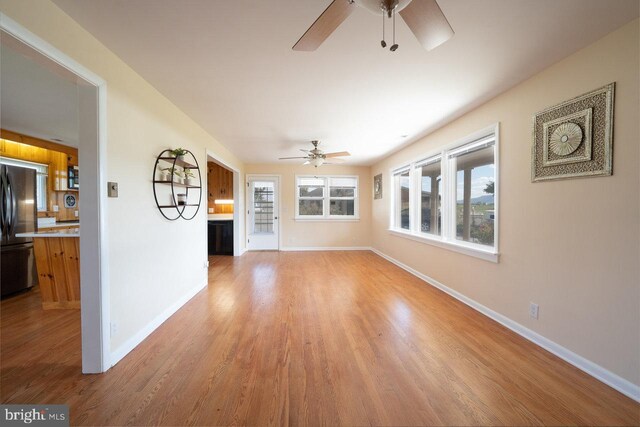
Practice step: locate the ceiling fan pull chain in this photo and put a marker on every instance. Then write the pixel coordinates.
(395, 45)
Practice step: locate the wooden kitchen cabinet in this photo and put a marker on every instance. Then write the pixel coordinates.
(219, 186)
(57, 157)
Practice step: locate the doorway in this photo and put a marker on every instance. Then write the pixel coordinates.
(91, 132)
(263, 196)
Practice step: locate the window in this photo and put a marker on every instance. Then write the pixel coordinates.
(450, 198)
(475, 184)
(429, 172)
(41, 179)
(342, 196)
(263, 207)
(327, 197)
(311, 197)
(403, 196)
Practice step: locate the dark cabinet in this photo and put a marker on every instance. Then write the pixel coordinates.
(220, 239)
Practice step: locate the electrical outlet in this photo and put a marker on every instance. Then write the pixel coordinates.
(75, 213)
(210, 210)
(533, 310)
(56, 208)
(114, 328)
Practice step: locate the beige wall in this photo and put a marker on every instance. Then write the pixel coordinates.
(152, 262)
(571, 246)
(319, 234)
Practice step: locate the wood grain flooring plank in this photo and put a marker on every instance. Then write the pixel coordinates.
(305, 338)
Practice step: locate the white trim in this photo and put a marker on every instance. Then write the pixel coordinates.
(94, 248)
(461, 248)
(613, 380)
(337, 219)
(126, 347)
(326, 248)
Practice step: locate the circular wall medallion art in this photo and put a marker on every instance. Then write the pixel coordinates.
(69, 201)
(565, 139)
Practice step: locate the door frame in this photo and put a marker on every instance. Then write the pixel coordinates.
(94, 248)
(238, 249)
(278, 178)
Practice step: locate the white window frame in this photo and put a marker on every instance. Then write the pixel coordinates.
(326, 200)
(397, 203)
(447, 238)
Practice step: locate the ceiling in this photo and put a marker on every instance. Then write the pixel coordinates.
(36, 97)
(230, 67)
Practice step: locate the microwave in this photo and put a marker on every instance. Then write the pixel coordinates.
(74, 177)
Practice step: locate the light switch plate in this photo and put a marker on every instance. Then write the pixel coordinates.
(112, 189)
(56, 208)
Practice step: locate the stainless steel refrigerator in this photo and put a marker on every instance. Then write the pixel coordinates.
(17, 215)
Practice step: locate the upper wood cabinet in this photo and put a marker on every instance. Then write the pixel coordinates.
(57, 157)
(219, 186)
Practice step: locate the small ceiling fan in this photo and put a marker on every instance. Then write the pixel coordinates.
(424, 18)
(317, 157)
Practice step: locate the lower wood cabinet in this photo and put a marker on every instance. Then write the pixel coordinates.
(220, 237)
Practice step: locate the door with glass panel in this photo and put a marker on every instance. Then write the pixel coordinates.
(262, 213)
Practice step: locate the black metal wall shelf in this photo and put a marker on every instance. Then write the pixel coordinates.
(175, 210)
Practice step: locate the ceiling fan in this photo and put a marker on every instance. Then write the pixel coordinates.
(424, 18)
(317, 157)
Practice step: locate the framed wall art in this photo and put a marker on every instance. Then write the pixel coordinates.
(377, 186)
(574, 138)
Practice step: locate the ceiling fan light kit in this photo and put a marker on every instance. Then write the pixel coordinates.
(423, 17)
(318, 161)
(316, 157)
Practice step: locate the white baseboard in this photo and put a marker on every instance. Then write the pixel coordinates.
(326, 248)
(133, 342)
(598, 372)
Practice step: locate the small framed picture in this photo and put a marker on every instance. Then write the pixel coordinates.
(377, 186)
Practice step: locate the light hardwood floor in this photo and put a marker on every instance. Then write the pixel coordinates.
(333, 338)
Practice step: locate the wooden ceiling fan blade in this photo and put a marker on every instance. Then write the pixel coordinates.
(291, 158)
(331, 18)
(337, 154)
(427, 22)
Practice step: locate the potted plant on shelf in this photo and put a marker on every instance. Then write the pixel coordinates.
(178, 175)
(179, 153)
(189, 177)
(165, 174)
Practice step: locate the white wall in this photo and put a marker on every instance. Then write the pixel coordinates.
(572, 246)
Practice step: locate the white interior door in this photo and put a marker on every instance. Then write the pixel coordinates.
(262, 213)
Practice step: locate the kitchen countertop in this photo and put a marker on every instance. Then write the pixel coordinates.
(59, 233)
(220, 217)
(62, 224)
